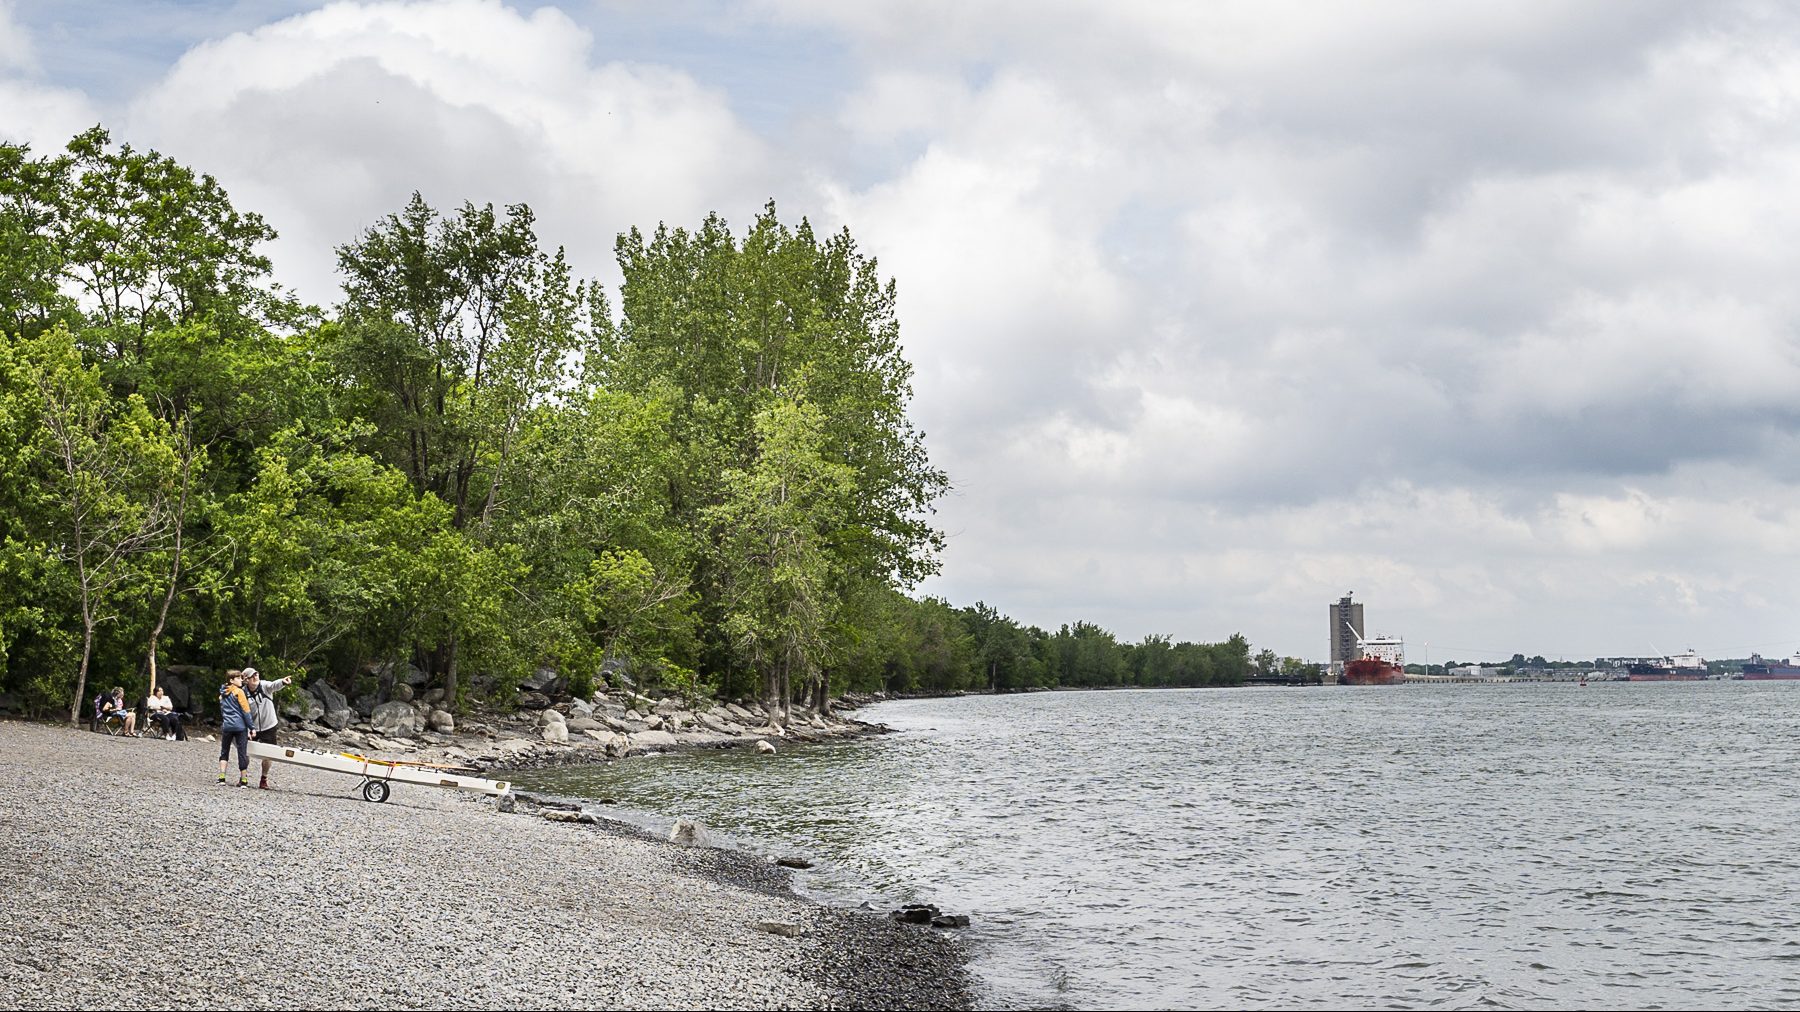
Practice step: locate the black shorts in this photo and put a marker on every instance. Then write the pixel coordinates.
(266, 737)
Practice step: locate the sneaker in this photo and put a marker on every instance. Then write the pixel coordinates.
(265, 783)
(244, 782)
(221, 780)
(168, 737)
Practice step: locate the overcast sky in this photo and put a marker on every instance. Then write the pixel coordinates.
(1487, 313)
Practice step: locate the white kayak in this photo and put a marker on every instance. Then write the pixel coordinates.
(377, 773)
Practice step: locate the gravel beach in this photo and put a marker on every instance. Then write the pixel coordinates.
(134, 881)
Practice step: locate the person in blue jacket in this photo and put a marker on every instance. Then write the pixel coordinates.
(234, 726)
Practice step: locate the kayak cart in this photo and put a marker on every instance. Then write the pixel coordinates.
(378, 774)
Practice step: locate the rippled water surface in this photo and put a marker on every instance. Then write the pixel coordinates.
(1458, 846)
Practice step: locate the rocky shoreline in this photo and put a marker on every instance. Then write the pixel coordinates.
(135, 882)
(548, 726)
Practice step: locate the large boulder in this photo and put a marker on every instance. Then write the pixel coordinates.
(442, 721)
(583, 724)
(549, 716)
(304, 706)
(744, 716)
(653, 740)
(669, 706)
(556, 732)
(340, 718)
(581, 708)
(718, 726)
(544, 680)
(402, 693)
(394, 719)
(533, 701)
(328, 697)
(365, 704)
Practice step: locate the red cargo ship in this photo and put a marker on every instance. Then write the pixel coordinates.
(1372, 671)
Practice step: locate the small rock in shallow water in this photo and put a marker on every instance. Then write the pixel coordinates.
(793, 862)
(688, 833)
(916, 913)
(950, 921)
(765, 748)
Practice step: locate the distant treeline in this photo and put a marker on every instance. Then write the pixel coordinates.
(474, 462)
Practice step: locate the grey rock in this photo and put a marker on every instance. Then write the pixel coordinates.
(542, 680)
(434, 696)
(549, 716)
(765, 747)
(668, 706)
(793, 862)
(365, 704)
(304, 707)
(402, 693)
(653, 740)
(443, 721)
(556, 733)
(328, 697)
(915, 913)
(583, 724)
(533, 701)
(506, 803)
(688, 833)
(410, 674)
(718, 726)
(340, 718)
(786, 929)
(950, 921)
(394, 718)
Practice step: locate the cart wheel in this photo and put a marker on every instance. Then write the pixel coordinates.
(375, 790)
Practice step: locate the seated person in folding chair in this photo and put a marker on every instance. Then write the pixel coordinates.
(162, 712)
(113, 708)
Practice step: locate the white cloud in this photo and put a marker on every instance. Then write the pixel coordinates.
(33, 112)
(327, 120)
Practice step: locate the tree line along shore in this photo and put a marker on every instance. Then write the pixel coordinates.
(475, 463)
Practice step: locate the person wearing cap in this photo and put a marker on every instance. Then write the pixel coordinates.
(234, 726)
(263, 717)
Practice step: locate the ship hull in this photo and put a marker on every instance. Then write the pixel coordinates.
(1370, 671)
(1773, 673)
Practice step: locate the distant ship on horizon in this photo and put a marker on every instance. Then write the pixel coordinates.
(1759, 670)
(1682, 667)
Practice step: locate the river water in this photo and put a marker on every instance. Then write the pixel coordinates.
(1618, 846)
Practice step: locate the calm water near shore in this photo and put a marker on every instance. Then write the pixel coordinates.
(1456, 846)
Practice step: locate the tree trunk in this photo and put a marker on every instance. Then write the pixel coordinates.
(87, 651)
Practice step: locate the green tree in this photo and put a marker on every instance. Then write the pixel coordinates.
(105, 497)
(774, 537)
